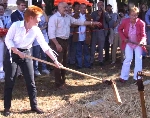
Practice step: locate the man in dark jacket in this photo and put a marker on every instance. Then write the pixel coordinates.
(100, 32)
(18, 15)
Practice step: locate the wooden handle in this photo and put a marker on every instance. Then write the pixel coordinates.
(146, 73)
(65, 68)
(80, 73)
(142, 98)
(117, 96)
(147, 46)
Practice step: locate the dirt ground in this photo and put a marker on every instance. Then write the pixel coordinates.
(85, 98)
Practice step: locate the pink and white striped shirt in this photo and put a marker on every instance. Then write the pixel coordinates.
(132, 35)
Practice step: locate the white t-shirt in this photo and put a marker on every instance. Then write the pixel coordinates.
(82, 28)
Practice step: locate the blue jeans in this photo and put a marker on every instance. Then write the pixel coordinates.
(98, 37)
(82, 50)
(37, 52)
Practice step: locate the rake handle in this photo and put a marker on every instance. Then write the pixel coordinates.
(114, 87)
(117, 96)
(62, 67)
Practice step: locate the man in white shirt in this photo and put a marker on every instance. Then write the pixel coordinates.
(82, 39)
(59, 31)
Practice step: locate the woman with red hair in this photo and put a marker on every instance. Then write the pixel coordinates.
(19, 40)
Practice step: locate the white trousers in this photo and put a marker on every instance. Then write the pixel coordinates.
(2, 74)
(127, 62)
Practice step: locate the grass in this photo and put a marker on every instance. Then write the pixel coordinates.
(82, 90)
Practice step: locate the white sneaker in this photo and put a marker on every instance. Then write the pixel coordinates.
(2, 80)
(45, 72)
(2, 75)
(37, 73)
(113, 62)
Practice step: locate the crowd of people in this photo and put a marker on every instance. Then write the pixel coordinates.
(71, 35)
(125, 29)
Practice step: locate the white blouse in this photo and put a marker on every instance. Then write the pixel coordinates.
(19, 38)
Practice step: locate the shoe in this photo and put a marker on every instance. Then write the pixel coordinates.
(78, 67)
(101, 63)
(63, 87)
(143, 57)
(37, 73)
(37, 110)
(113, 62)
(122, 80)
(2, 80)
(2, 75)
(90, 67)
(6, 112)
(73, 63)
(45, 71)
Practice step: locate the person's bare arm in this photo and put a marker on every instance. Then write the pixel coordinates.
(46, 21)
(46, 17)
(52, 24)
(53, 57)
(80, 22)
(92, 23)
(45, 26)
(58, 46)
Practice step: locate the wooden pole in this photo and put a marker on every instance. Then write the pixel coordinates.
(142, 96)
(147, 46)
(117, 96)
(65, 68)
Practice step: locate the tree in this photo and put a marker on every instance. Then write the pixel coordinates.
(49, 4)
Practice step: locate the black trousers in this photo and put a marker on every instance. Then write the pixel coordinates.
(106, 48)
(26, 66)
(62, 58)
